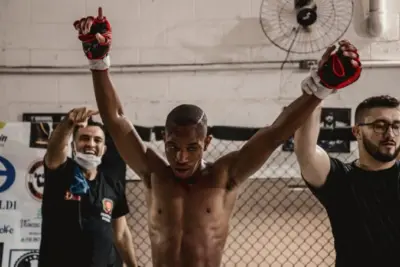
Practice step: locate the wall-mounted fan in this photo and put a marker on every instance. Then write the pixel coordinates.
(305, 26)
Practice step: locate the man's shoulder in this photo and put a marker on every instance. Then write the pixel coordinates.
(225, 160)
(219, 170)
(68, 163)
(342, 164)
(113, 183)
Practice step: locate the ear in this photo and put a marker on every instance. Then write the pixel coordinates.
(163, 135)
(207, 141)
(356, 132)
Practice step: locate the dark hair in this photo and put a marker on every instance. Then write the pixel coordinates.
(185, 115)
(382, 101)
(91, 122)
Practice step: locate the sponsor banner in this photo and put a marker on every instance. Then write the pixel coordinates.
(21, 191)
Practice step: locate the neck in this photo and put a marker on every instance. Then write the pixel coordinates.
(370, 164)
(197, 173)
(89, 174)
(200, 168)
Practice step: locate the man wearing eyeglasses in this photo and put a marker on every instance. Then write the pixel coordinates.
(362, 198)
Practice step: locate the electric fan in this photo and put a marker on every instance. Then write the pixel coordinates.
(305, 26)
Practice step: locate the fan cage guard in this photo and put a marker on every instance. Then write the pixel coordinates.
(280, 22)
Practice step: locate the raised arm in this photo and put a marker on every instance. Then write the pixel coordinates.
(127, 141)
(57, 148)
(95, 34)
(334, 72)
(313, 160)
(253, 155)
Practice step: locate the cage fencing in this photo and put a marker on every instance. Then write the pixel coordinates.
(276, 222)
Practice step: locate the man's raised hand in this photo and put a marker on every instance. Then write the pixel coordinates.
(336, 70)
(80, 116)
(95, 34)
(341, 68)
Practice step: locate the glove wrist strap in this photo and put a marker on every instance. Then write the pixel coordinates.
(312, 86)
(100, 64)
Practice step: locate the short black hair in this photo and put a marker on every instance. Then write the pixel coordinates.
(382, 101)
(186, 115)
(91, 122)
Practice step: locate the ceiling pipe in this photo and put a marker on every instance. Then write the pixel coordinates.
(169, 68)
(377, 17)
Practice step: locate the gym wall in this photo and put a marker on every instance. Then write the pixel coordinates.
(40, 33)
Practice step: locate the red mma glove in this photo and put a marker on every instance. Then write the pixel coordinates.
(95, 34)
(335, 71)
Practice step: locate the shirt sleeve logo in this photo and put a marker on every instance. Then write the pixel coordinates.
(107, 205)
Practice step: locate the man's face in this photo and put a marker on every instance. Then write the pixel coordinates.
(184, 147)
(90, 140)
(382, 146)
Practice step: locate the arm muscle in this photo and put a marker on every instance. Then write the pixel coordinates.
(313, 160)
(128, 142)
(253, 155)
(57, 149)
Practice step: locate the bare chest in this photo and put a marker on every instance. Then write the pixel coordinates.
(183, 206)
(188, 224)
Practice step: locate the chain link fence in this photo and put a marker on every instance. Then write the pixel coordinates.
(276, 222)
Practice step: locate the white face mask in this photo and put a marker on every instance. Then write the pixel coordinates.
(87, 161)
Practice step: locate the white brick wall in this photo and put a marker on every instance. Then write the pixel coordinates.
(40, 32)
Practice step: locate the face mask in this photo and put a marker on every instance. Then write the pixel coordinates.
(88, 162)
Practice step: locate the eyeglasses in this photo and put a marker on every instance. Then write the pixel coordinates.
(381, 127)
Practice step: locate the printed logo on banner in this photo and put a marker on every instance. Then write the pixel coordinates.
(28, 223)
(3, 138)
(31, 230)
(7, 174)
(35, 180)
(23, 258)
(6, 229)
(8, 204)
(39, 214)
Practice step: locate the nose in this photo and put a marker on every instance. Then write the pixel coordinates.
(182, 157)
(90, 143)
(390, 132)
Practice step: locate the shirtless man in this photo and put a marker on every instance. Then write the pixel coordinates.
(190, 201)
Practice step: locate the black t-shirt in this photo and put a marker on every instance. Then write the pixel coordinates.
(364, 211)
(77, 230)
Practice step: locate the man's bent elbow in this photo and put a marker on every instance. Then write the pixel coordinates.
(53, 162)
(111, 119)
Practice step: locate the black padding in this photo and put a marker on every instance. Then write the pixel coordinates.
(144, 132)
(158, 132)
(343, 133)
(233, 133)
